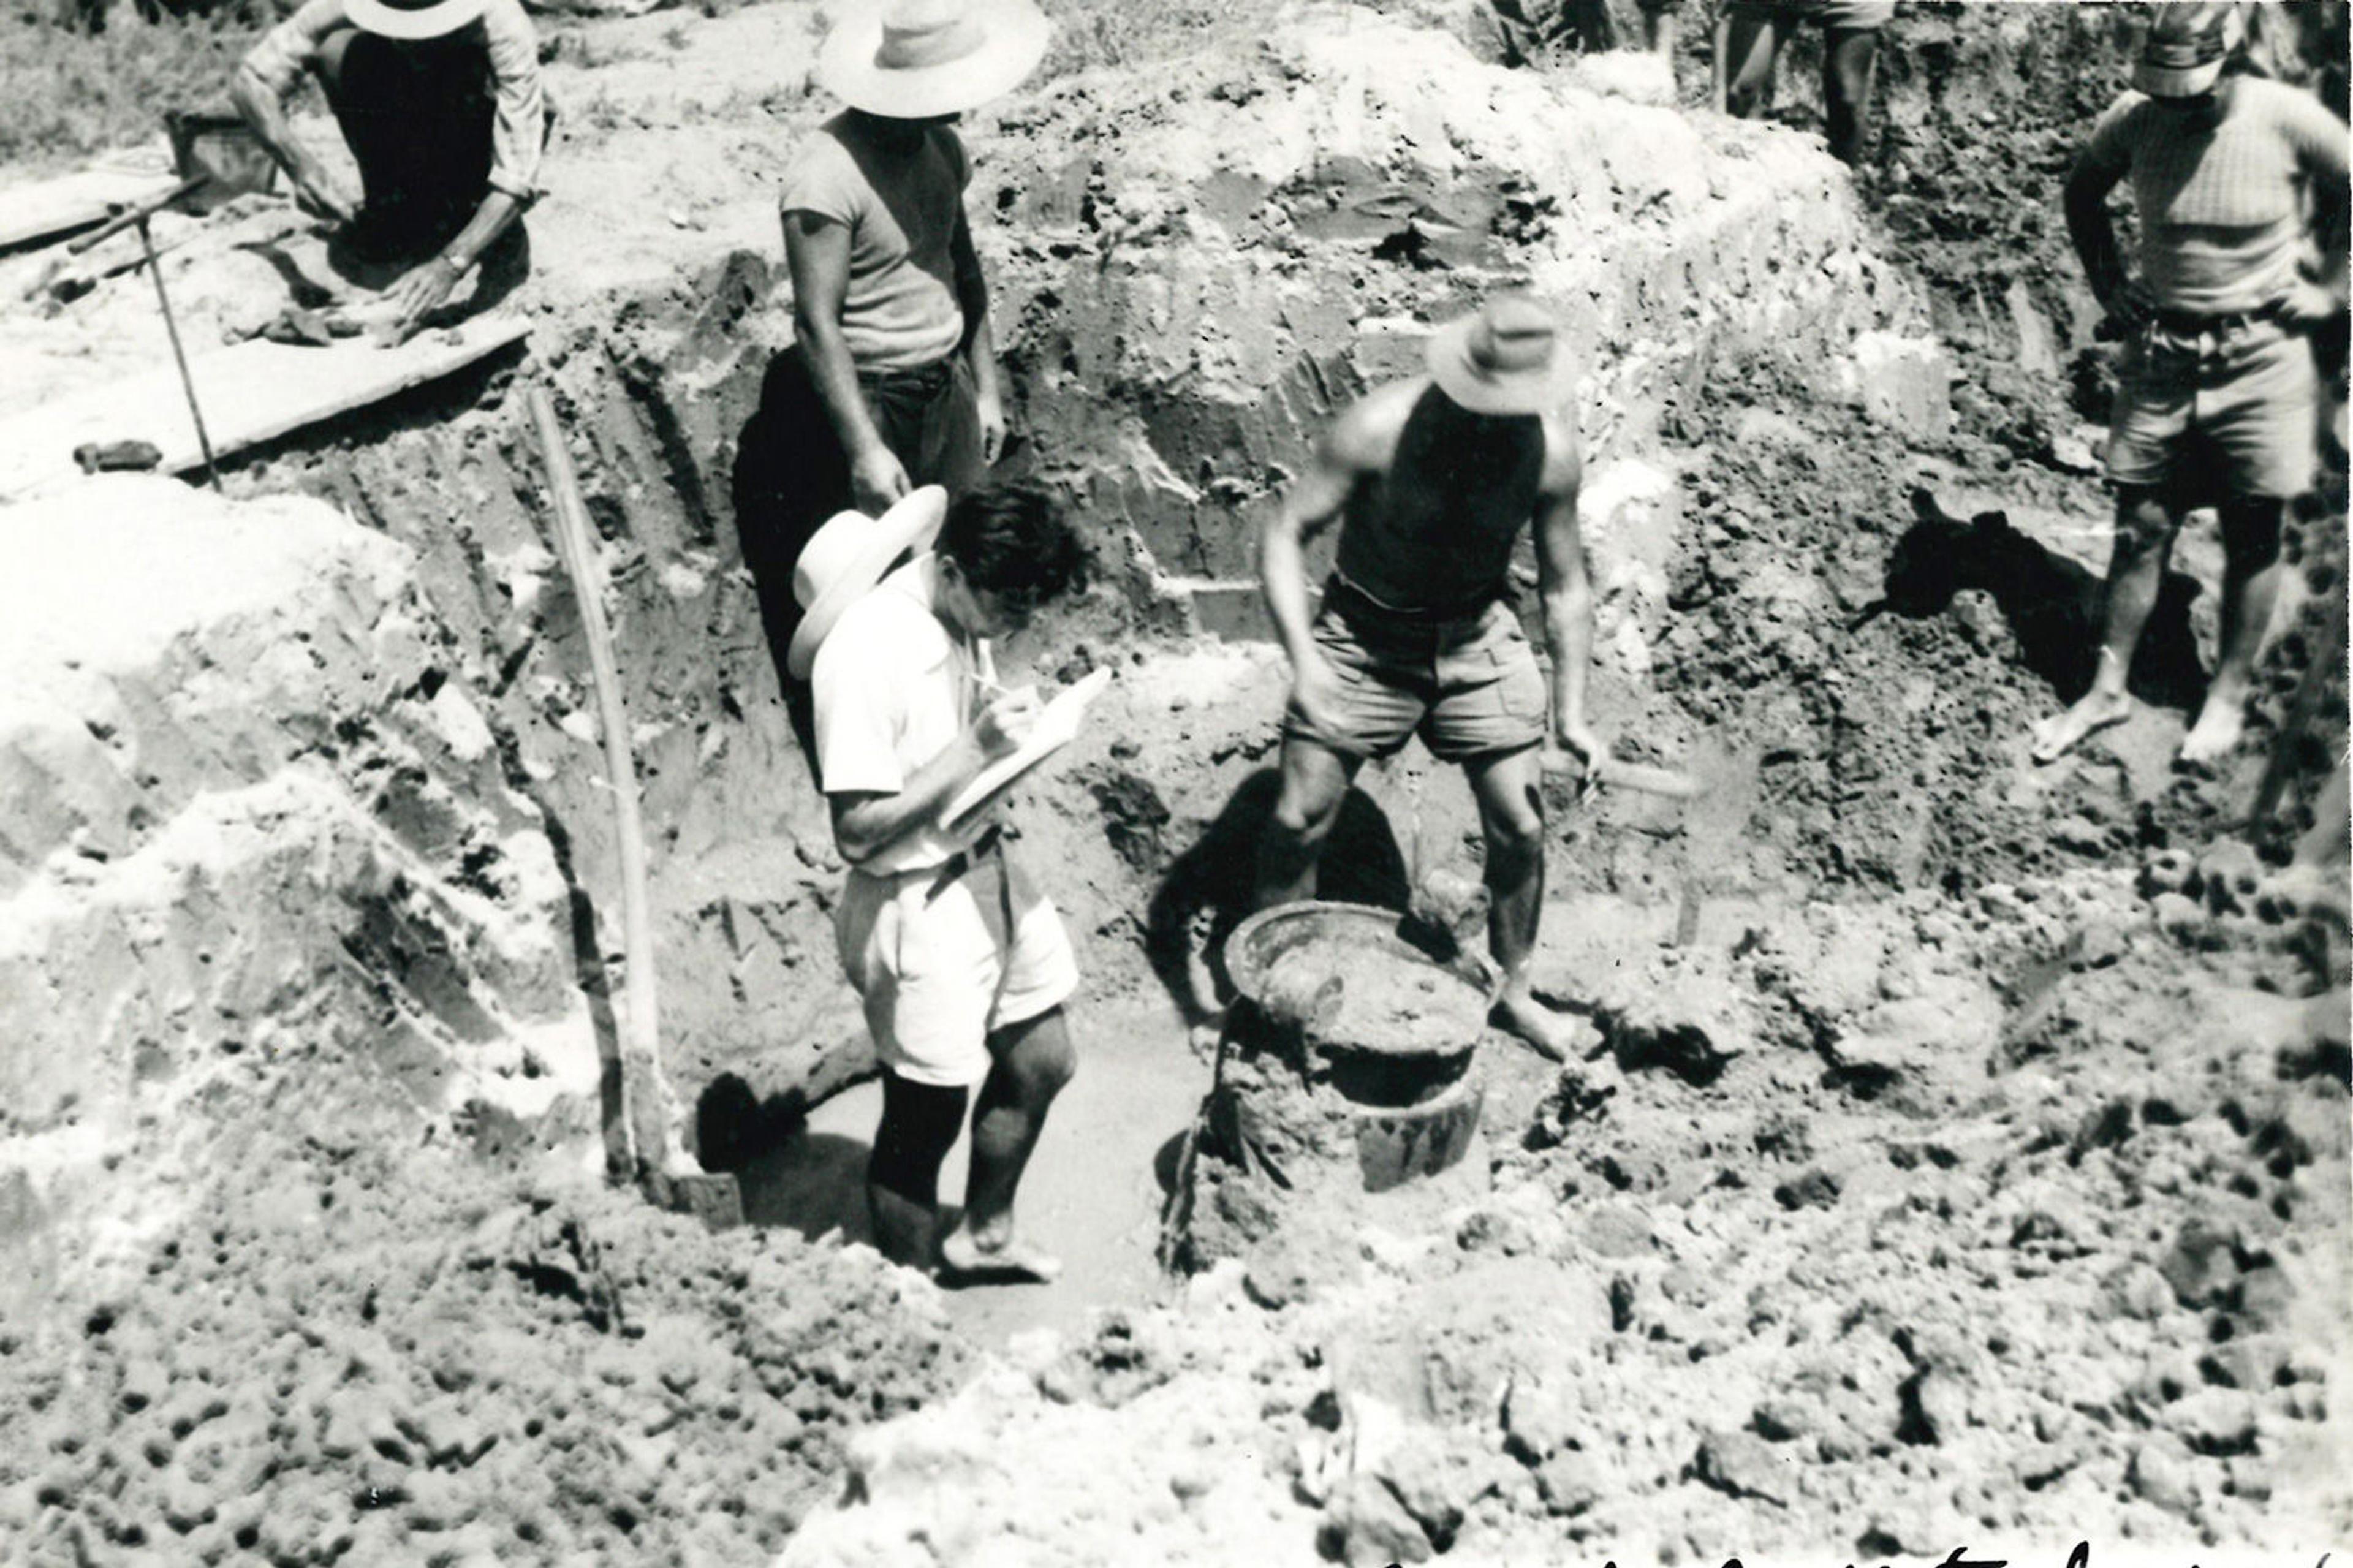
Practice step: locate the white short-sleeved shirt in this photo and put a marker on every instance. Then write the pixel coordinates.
(893, 689)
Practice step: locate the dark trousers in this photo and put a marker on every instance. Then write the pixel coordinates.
(791, 474)
(417, 118)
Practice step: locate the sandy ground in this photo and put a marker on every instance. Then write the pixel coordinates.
(1094, 1194)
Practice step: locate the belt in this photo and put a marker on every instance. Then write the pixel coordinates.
(2189, 324)
(1352, 596)
(948, 872)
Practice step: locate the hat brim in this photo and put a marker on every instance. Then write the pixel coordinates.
(1544, 390)
(2166, 82)
(911, 525)
(433, 21)
(1017, 34)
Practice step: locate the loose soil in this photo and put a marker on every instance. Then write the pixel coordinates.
(1390, 1004)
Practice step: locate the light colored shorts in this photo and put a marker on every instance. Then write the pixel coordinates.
(944, 961)
(1469, 685)
(2229, 412)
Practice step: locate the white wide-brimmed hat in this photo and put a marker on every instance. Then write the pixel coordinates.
(909, 59)
(844, 560)
(2187, 44)
(410, 20)
(1504, 358)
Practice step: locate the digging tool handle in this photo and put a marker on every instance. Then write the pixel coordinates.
(139, 213)
(649, 1125)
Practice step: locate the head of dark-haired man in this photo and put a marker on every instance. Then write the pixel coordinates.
(1004, 551)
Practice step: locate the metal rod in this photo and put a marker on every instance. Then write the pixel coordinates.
(138, 212)
(187, 382)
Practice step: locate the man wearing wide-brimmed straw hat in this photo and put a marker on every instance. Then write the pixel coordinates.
(892, 382)
(441, 105)
(2218, 395)
(1432, 481)
(962, 963)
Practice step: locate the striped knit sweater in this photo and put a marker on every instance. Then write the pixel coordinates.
(2221, 220)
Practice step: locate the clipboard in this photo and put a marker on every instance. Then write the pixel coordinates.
(1057, 726)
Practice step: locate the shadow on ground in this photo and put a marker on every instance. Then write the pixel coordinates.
(1206, 890)
(2052, 604)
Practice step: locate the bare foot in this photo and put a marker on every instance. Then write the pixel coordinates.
(2094, 712)
(2220, 724)
(1544, 1031)
(965, 1254)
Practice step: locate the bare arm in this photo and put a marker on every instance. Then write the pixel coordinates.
(2093, 232)
(1313, 504)
(1563, 586)
(2325, 166)
(419, 291)
(979, 343)
(866, 823)
(816, 253)
(265, 111)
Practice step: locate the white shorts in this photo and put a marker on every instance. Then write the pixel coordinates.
(942, 963)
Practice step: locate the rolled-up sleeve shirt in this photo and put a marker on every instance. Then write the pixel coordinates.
(519, 129)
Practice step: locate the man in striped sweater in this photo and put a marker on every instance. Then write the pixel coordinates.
(2216, 401)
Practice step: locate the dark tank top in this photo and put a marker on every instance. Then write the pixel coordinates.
(1434, 534)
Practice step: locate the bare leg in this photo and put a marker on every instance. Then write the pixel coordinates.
(1747, 46)
(2251, 572)
(1033, 1061)
(1659, 29)
(920, 1123)
(1850, 65)
(1508, 789)
(1315, 780)
(2144, 540)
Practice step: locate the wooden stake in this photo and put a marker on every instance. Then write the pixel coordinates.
(650, 1111)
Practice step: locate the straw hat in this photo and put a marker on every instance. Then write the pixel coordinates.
(1504, 358)
(909, 59)
(2186, 47)
(844, 560)
(410, 20)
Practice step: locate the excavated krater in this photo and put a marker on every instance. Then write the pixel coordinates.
(1348, 1086)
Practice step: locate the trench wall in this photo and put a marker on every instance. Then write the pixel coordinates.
(255, 848)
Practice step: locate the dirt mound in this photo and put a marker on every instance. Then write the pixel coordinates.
(1922, 1264)
(358, 1356)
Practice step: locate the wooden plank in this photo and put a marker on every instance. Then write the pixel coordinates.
(251, 392)
(52, 209)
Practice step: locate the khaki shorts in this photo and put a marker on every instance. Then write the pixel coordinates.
(2208, 415)
(1468, 685)
(944, 961)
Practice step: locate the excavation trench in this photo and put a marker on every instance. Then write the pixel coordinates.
(307, 882)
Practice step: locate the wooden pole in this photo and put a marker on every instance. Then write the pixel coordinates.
(649, 1108)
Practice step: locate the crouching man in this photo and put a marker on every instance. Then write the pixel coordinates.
(962, 965)
(439, 101)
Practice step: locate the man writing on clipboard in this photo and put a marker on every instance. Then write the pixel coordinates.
(963, 965)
